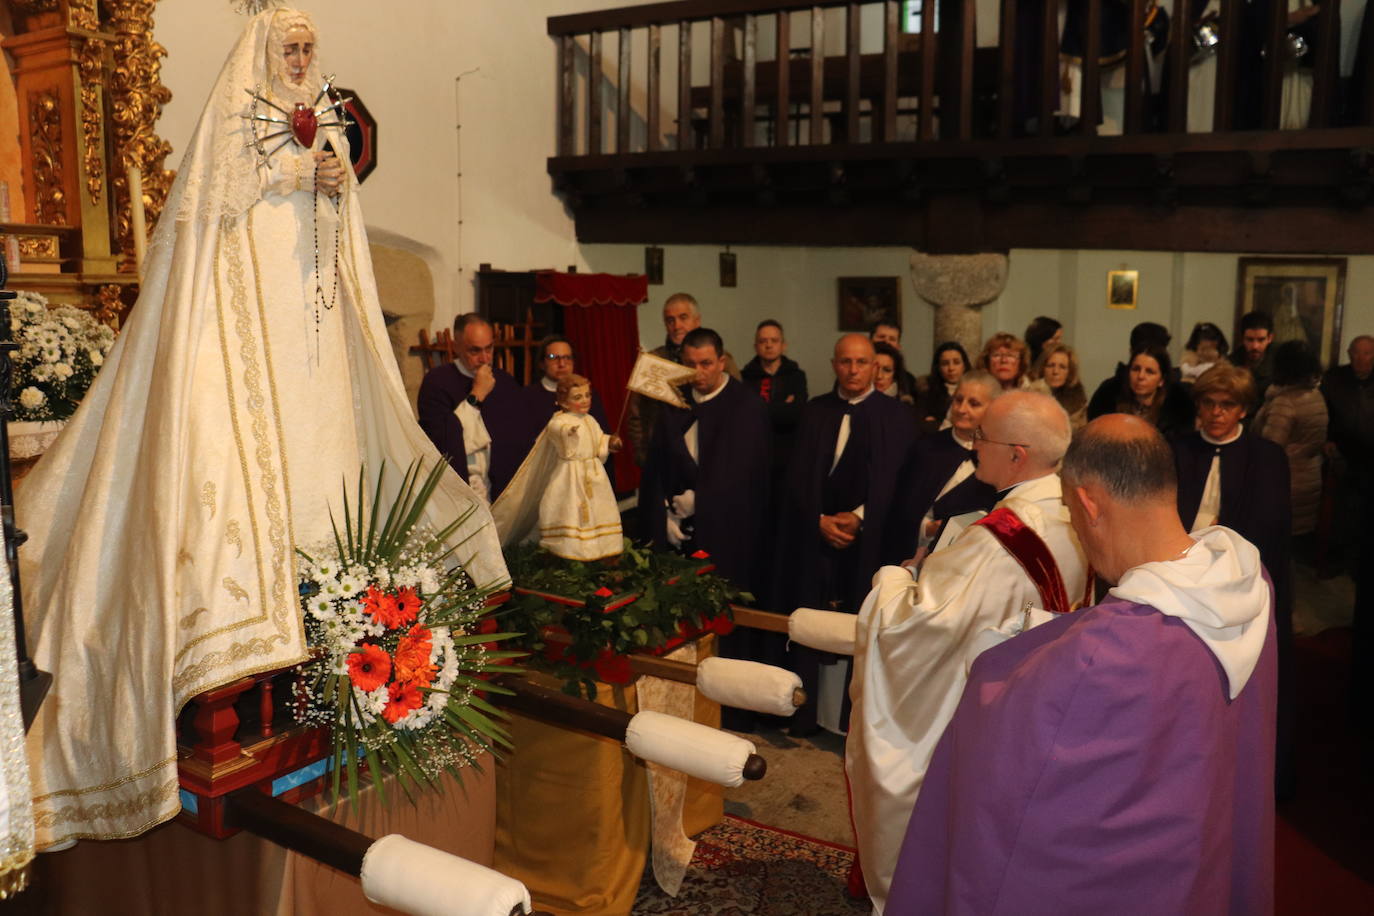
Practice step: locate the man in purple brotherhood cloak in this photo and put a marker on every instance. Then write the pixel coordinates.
(1119, 759)
(479, 416)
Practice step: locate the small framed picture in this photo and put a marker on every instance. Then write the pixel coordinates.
(653, 265)
(1122, 287)
(865, 301)
(1305, 297)
(729, 275)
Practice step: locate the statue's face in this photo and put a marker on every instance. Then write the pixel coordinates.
(579, 400)
(298, 49)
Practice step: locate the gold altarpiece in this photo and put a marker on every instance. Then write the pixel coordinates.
(87, 93)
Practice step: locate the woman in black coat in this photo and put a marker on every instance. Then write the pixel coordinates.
(939, 483)
(1252, 499)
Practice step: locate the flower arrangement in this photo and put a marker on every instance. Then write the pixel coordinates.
(403, 642)
(640, 601)
(60, 351)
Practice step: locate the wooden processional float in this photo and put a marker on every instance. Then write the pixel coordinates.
(245, 765)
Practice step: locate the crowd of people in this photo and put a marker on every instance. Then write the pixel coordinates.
(931, 510)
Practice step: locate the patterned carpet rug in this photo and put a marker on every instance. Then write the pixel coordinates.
(742, 868)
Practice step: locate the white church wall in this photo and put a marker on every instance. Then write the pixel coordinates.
(406, 66)
(797, 286)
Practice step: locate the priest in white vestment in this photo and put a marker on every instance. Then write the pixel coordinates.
(917, 637)
(252, 381)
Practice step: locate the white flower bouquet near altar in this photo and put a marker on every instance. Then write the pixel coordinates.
(403, 643)
(60, 351)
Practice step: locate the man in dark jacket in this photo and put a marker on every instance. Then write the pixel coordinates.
(781, 383)
(842, 484)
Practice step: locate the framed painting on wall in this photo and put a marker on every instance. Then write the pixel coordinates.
(1123, 286)
(865, 301)
(1305, 297)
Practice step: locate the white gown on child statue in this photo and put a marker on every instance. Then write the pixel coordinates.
(253, 379)
(561, 493)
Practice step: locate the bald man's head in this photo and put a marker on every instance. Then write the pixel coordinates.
(1035, 419)
(853, 363)
(1126, 456)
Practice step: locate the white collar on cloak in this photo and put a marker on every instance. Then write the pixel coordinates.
(860, 399)
(703, 398)
(1217, 588)
(1227, 441)
(548, 383)
(1036, 489)
(463, 368)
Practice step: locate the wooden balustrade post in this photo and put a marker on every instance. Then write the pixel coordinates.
(817, 75)
(783, 130)
(567, 104)
(928, 53)
(747, 99)
(594, 96)
(957, 41)
(684, 84)
(1275, 63)
(1178, 61)
(652, 88)
(717, 136)
(851, 72)
(1049, 69)
(216, 720)
(622, 102)
(1224, 109)
(1326, 67)
(892, 10)
(1134, 114)
(1090, 92)
(265, 708)
(1006, 71)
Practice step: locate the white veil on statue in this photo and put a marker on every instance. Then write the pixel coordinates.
(253, 378)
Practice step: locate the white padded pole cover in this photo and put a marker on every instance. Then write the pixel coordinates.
(697, 750)
(829, 631)
(424, 881)
(748, 685)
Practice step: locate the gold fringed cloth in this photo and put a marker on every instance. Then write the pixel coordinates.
(573, 812)
(173, 870)
(16, 806)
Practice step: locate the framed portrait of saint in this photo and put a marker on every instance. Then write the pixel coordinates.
(1123, 287)
(1305, 298)
(865, 301)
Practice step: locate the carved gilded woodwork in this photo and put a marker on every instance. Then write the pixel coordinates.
(83, 14)
(42, 247)
(45, 120)
(90, 57)
(136, 96)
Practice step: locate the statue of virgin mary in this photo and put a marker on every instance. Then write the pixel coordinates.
(252, 381)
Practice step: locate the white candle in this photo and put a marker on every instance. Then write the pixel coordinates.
(137, 217)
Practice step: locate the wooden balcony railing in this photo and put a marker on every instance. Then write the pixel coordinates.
(874, 84)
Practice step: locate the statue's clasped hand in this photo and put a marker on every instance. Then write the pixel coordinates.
(329, 173)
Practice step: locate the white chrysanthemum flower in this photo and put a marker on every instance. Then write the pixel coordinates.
(96, 357)
(62, 371)
(51, 355)
(350, 585)
(32, 398)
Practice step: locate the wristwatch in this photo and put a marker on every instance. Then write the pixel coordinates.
(472, 399)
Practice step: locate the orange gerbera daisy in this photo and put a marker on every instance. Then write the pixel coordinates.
(390, 610)
(403, 698)
(407, 606)
(412, 657)
(369, 667)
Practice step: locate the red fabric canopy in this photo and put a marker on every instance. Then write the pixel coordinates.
(606, 338)
(590, 289)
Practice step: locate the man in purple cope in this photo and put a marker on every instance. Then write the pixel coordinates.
(1119, 759)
